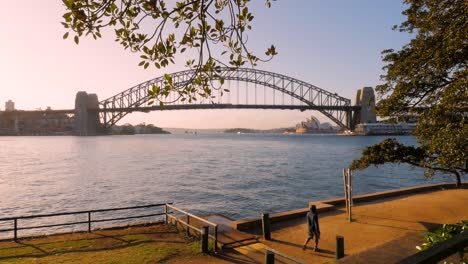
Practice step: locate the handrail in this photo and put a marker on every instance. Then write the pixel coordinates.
(89, 221)
(191, 215)
(82, 212)
(189, 226)
(185, 224)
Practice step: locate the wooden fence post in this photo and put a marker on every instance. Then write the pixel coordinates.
(350, 196)
(345, 188)
(339, 247)
(269, 257)
(348, 191)
(167, 212)
(89, 222)
(266, 226)
(216, 238)
(15, 232)
(204, 239)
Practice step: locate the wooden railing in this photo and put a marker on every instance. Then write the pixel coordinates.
(189, 221)
(186, 221)
(17, 223)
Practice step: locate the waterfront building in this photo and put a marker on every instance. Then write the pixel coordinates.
(385, 128)
(35, 123)
(9, 106)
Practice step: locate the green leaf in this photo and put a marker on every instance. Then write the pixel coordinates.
(68, 3)
(65, 35)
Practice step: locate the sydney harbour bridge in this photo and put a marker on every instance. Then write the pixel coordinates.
(248, 89)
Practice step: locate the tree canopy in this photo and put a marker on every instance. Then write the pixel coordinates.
(159, 30)
(427, 78)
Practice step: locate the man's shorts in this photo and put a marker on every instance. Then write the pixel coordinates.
(312, 234)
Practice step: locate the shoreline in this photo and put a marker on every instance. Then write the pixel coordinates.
(386, 227)
(255, 223)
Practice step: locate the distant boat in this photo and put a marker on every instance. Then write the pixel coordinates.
(347, 133)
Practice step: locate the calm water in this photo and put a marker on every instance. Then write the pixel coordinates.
(235, 175)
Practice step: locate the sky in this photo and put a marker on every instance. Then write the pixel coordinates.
(335, 45)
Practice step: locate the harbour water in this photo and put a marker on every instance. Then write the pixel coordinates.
(238, 175)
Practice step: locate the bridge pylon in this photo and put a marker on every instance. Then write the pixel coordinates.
(365, 99)
(86, 117)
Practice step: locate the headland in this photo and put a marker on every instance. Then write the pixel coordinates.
(386, 227)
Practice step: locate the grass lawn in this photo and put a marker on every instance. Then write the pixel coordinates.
(147, 244)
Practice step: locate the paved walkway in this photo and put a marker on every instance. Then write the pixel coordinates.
(382, 232)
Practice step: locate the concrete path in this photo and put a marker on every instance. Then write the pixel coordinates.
(382, 232)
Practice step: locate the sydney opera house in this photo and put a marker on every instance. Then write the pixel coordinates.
(312, 125)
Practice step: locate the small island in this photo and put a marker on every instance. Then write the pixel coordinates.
(256, 131)
(129, 129)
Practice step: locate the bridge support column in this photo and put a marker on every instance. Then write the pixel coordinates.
(349, 119)
(365, 98)
(86, 120)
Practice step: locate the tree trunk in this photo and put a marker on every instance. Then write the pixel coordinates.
(458, 179)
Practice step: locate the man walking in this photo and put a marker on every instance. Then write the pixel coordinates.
(313, 225)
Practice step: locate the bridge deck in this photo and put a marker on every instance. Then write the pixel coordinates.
(228, 106)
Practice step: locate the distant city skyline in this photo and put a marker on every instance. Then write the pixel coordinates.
(334, 45)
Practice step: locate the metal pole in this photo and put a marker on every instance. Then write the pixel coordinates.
(166, 211)
(15, 226)
(89, 222)
(339, 247)
(204, 239)
(350, 195)
(269, 257)
(345, 181)
(188, 223)
(266, 226)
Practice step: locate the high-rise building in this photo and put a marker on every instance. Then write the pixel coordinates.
(9, 105)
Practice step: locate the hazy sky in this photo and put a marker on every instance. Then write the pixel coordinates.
(333, 44)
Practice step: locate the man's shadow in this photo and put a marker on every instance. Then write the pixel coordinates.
(321, 252)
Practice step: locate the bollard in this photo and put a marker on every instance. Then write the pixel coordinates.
(204, 239)
(269, 257)
(339, 247)
(266, 226)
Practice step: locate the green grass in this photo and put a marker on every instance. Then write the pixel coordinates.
(19, 251)
(131, 248)
(142, 253)
(154, 244)
(136, 238)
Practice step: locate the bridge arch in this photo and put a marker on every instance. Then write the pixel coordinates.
(333, 106)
